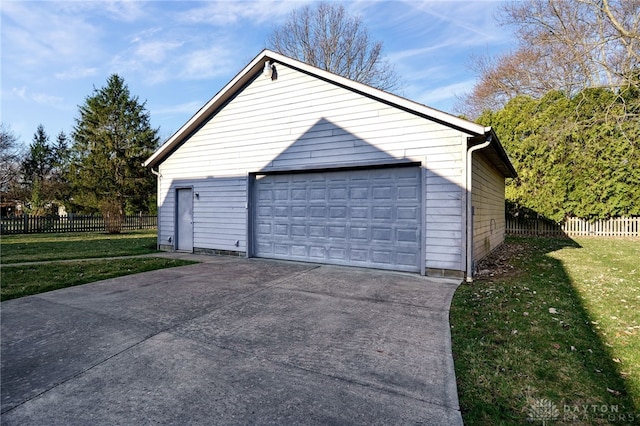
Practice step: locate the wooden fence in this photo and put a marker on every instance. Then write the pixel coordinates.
(72, 223)
(575, 227)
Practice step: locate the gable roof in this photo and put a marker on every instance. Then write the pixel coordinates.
(257, 65)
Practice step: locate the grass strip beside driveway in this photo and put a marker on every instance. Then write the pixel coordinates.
(45, 247)
(551, 327)
(26, 280)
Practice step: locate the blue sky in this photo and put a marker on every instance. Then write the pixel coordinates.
(177, 54)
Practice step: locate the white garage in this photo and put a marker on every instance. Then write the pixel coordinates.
(291, 162)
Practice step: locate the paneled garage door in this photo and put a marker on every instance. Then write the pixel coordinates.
(367, 218)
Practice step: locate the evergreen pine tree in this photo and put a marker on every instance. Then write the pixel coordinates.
(112, 138)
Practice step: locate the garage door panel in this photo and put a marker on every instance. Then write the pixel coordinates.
(407, 213)
(359, 193)
(316, 253)
(408, 193)
(382, 193)
(338, 212)
(264, 195)
(317, 231)
(366, 217)
(298, 195)
(298, 250)
(298, 231)
(359, 233)
(281, 230)
(338, 194)
(385, 213)
(281, 211)
(264, 229)
(382, 235)
(383, 257)
(317, 194)
(317, 212)
(338, 232)
(298, 212)
(407, 236)
(406, 258)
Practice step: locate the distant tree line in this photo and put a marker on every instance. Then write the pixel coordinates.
(98, 170)
(566, 105)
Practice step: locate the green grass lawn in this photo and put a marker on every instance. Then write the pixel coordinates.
(19, 281)
(39, 247)
(552, 324)
(25, 280)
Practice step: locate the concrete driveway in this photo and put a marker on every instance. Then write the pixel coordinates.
(233, 341)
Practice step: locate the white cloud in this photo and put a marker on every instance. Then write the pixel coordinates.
(145, 34)
(426, 72)
(24, 94)
(160, 61)
(76, 73)
(20, 92)
(125, 10)
(184, 108)
(400, 55)
(50, 100)
(43, 34)
(205, 63)
(222, 13)
(442, 93)
(473, 18)
(155, 51)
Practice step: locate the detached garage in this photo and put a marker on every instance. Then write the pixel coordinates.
(291, 162)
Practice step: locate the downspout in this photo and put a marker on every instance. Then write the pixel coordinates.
(470, 152)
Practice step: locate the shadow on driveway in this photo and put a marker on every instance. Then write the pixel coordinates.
(233, 341)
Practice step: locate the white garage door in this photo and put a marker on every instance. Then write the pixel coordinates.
(367, 218)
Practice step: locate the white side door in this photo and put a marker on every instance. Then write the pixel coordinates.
(184, 222)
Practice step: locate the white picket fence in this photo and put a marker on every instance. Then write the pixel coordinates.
(575, 227)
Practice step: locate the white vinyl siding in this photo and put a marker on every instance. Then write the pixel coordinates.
(488, 203)
(219, 209)
(300, 121)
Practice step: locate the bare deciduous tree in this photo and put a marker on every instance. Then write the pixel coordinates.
(566, 45)
(329, 38)
(9, 157)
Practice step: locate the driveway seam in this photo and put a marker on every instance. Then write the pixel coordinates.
(235, 301)
(364, 299)
(297, 367)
